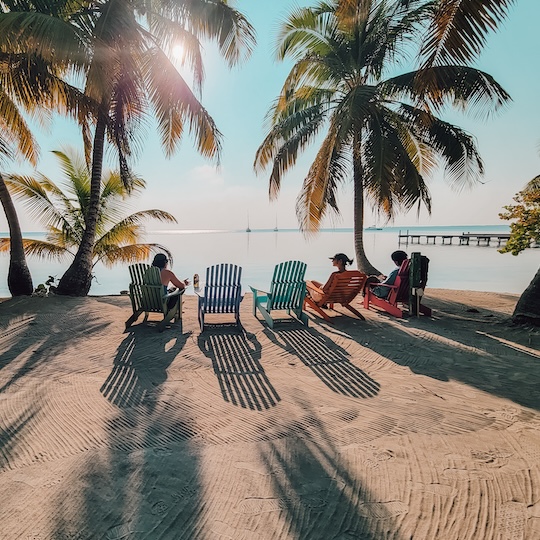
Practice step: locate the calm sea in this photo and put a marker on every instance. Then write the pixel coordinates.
(480, 268)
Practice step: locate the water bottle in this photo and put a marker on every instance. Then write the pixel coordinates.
(195, 281)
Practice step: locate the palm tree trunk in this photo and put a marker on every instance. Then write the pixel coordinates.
(528, 306)
(362, 261)
(19, 277)
(78, 277)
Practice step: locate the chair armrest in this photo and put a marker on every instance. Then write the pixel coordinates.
(177, 292)
(372, 285)
(256, 291)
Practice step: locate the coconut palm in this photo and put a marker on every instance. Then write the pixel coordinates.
(381, 132)
(62, 211)
(26, 81)
(119, 48)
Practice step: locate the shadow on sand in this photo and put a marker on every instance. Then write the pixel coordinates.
(236, 361)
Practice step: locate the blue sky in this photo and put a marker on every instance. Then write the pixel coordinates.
(202, 196)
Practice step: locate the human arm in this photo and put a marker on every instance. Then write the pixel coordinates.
(167, 276)
(390, 280)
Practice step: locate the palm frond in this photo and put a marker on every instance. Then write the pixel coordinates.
(465, 88)
(130, 254)
(330, 168)
(175, 106)
(459, 28)
(217, 20)
(15, 130)
(38, 248)
(456, 147)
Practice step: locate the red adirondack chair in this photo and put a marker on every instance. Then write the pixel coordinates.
(343, 290)
(399, 294)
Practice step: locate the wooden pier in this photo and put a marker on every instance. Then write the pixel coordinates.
(464, 239)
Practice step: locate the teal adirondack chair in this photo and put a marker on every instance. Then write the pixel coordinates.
(147, 295)
(287, 292)
(222, 292)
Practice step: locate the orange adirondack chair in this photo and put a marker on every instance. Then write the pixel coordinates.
(399, 294)
(343, 289)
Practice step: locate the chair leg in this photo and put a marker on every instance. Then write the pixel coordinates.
(167, 319)
(315, 307)
(355, 311)
(133, 318)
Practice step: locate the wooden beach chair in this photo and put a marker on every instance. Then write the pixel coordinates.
(399, 292)
(146, 295)
(287, 292)
(343, 289)
(222, 292)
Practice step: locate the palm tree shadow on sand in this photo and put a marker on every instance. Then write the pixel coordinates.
(148, 452)
(319, 494)
(328, 361)
(235, 356)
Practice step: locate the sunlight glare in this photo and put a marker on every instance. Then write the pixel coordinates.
(178, 52)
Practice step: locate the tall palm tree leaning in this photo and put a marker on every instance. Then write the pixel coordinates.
(62, 213)
(120, 49)
(129, 70)
(382, 132)
(13, 129)
(26, 82)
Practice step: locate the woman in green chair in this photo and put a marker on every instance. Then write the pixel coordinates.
(168, 277)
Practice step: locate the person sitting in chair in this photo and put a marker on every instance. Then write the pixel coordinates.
(340, 261)
(167, 277)
(382, 292)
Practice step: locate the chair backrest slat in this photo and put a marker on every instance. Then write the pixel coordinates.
(223, 290)
(345, 286)
(401, 291)
(288, 286)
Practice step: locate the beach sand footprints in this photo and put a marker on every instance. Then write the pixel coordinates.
(511, 521)
(383, 510)
(260, 505)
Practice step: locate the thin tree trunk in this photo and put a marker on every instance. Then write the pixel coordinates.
(19, 277)
(78, 277)
(528, 307)
(362, 261)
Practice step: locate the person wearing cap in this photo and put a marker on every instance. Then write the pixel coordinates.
(168, 276)
(340, 261)
(382, 292)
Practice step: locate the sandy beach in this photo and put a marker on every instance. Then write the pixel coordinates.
(422, 428)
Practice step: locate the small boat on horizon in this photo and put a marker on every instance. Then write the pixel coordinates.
(247, 228)
(373, 228)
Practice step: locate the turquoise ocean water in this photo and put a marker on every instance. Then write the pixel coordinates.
(472, 267)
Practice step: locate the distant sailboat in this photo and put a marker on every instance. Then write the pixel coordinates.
(275, 228)
(247, 228)
(373, 228)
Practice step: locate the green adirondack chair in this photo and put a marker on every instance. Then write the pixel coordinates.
(287, 292)
(147, 296)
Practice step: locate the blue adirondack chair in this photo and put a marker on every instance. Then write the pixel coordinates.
(287, 292)
(222, 292)
(147, 295)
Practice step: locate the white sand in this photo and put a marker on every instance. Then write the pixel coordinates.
(384, 428)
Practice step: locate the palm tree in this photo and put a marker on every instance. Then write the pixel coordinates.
(25, 82)
(127, 73)
(380, 131)
(62, 213)
(13, 126)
